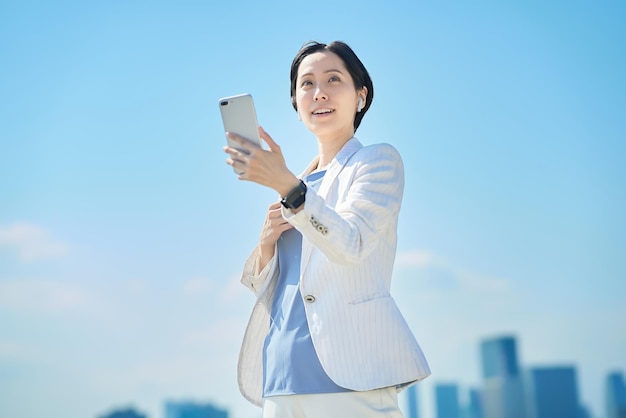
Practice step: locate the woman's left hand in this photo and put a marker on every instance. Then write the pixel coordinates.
(265, 167)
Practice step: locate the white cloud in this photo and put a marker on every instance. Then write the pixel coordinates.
(233, 290)
(435, 272)
(450, 309)
(227, 291)
(42, 296)
(31, 242)
(414, 258)
(198, 286)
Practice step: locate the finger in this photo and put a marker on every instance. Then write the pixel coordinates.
(234, 138)
(276, 209)
(278, 217)
(275, 205)
(231, 150)
(285, 227)
(236, 154)
(273, 146)
(239, 168)
(245, 145)
(275, 214)
(279, 225)
(238, 164)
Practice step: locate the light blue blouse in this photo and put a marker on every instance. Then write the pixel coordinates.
(290, 363)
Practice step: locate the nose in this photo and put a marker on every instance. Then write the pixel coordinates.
(319, 94)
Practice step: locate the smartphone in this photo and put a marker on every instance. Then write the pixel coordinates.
(239, 117)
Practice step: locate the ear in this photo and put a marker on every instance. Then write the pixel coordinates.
(362, 97)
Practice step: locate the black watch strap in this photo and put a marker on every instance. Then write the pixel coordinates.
(295, 198)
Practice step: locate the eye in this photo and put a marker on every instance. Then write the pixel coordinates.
(334, 78)
(305, 83)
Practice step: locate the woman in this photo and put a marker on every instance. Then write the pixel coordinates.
(325, 338)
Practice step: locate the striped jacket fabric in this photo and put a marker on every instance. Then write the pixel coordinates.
(349, 230)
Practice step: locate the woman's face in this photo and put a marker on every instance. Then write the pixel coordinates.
(325, 95)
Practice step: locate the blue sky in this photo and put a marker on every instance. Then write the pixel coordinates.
(123, 232)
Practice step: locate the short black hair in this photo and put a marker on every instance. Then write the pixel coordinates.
(353, 64)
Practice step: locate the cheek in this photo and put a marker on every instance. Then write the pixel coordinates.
(300, 98)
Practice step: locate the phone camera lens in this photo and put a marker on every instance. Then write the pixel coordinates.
(224, 103)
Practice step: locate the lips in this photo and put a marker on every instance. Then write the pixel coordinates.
(322, 111)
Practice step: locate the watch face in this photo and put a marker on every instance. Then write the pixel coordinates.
(296, 197)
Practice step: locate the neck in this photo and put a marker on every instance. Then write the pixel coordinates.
(329, 147)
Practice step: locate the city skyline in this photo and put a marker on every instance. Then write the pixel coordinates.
(550, 390)
(173, 409)
(123, 232)
(510, 389)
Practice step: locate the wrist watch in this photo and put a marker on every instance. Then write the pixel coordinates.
(295, 198)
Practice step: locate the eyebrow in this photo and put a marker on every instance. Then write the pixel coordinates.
(332, 70)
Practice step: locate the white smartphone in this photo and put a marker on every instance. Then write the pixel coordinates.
(239, 117)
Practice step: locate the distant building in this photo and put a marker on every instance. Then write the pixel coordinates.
(447, 401)
(583, 412)
(615, 396)
(124, 413)
(412, 401)
(503, 394)
(474, 408)
(193, 410)
(552, 392)
(499, 357)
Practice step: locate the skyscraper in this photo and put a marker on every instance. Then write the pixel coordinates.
(124, 413)
(552, 392)
(412, 401)
(474, 407)
(615, 396)
(503, 395)
(499, 357)
(193, 410)
(447, 401)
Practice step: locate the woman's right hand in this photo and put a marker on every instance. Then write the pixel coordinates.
(273, 227)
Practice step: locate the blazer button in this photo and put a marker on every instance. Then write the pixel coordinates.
(309, 298)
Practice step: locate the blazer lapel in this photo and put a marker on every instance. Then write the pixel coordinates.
(337, 164)
(332, 172)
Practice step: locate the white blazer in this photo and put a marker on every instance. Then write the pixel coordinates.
(349, 231)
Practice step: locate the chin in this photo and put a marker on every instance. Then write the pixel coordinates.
(318, 129)
(324, 127)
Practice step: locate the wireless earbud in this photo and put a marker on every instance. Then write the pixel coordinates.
(360, 104)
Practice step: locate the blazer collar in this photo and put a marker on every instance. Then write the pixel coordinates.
(348, 150)
(336, 165)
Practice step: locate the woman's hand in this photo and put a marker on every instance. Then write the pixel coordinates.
(265, 167)
(273, 228)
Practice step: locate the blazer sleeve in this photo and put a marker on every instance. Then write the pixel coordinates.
(370, 193)
(258, 283)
